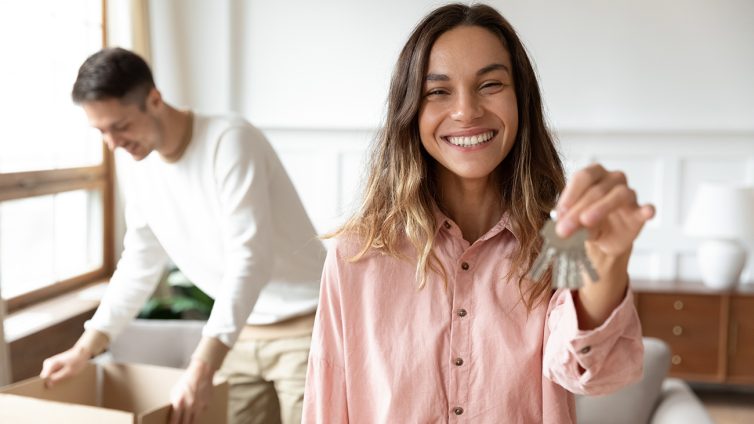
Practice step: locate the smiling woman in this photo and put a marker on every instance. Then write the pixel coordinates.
(55, 176)
(469, 120)
(426, 309)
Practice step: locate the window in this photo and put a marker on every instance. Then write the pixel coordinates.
(55, 173)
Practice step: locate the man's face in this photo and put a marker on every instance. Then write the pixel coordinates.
(125, 125)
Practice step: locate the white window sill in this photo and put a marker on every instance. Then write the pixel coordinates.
(46, 314)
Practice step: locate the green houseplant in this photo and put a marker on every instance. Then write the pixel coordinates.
(177, 298)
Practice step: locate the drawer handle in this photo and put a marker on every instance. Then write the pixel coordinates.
(678, 305)
(677, 330)
(676, 360)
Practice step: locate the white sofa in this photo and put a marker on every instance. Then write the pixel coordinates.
(655, 399)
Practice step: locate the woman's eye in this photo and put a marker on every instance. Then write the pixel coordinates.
(435, 92)
(491, 86)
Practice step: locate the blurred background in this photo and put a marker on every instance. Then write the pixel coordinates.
(662, 89)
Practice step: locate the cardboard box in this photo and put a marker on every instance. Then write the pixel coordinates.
(111, 393)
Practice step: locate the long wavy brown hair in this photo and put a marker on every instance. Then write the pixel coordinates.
(402, 186)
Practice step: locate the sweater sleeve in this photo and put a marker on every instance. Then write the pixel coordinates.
(325, 392)
(243, 181)
(136, 276)
(610, 355)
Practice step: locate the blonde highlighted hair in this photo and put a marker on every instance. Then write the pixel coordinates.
(402, 187)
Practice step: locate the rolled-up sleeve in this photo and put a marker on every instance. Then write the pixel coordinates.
(597, 361)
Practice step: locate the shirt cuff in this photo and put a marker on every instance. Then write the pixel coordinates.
(211, 351)
(591, 347)
(93, 341)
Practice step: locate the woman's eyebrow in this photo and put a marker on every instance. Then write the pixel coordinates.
(493, 67)
(436, 77)
(486, 69)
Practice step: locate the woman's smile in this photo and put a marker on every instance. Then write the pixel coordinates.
(470, 140)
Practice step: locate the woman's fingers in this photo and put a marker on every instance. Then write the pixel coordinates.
(578, 184)
(595, 210)
(592, 195)
(599, 193)
(647, 212)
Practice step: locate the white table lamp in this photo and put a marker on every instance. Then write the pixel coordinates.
(721, 215)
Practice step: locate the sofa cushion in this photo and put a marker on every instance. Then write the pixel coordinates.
(167, 343)
(632, 404)
(679, 405)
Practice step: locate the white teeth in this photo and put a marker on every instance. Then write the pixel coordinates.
(472, 140)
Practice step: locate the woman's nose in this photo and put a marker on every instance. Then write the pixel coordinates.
(466, 108)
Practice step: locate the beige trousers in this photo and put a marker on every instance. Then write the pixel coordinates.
(267, 379)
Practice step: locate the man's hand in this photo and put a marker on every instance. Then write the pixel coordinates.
(64, 365)
(192, 393)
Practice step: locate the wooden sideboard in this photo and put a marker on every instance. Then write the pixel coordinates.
(710, 332)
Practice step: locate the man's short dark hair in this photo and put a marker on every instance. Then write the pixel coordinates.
(113, 73)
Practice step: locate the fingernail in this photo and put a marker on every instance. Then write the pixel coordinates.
(565, 227)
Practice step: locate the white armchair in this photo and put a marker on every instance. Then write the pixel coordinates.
(653, 400)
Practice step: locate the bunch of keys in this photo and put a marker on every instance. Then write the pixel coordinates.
(567, 256)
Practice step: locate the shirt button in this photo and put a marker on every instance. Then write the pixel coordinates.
(458, 410)
(462, 312)
(586, 349)
(465, 266)
(447, 224)
(459, 362)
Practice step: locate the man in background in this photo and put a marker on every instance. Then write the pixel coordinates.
(210, 195)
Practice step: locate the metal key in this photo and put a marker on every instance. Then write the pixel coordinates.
(567, 256)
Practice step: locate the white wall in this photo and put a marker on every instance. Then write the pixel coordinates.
(625, 64)
(662, 89)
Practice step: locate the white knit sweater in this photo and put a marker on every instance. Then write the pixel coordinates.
(228, 216)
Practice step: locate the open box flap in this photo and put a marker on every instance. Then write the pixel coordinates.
(81, 389)
(157, 416)
(136, 393)
(216, 412)
(138, 388)
(26, 410)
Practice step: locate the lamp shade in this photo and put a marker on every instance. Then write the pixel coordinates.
(721, 211)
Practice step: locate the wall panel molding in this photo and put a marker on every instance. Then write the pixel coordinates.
(327, 166)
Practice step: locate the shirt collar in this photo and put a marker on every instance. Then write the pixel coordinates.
(442, 222)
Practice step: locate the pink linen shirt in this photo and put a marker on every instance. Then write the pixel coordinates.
(384, 351)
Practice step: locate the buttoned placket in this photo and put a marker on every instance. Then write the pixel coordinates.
(461, 278)
(460, 327)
